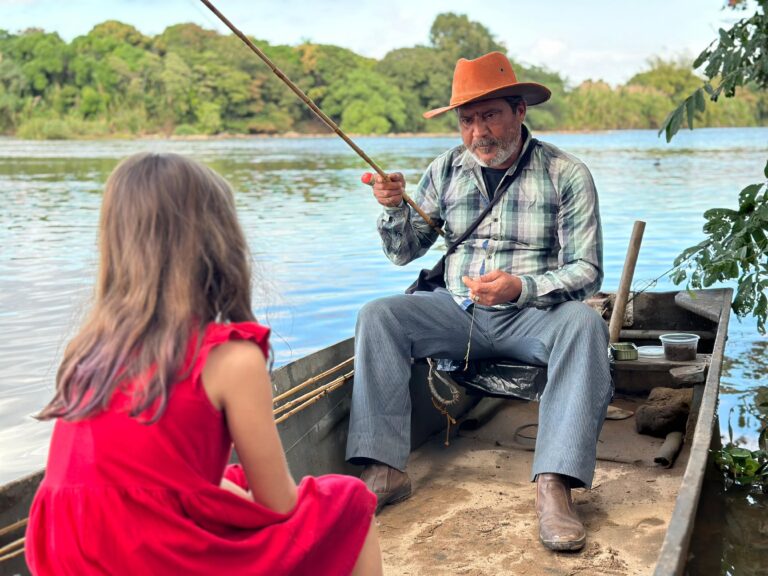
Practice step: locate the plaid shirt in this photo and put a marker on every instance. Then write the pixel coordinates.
(546, 228)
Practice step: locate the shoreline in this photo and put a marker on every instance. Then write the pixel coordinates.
(317, 135)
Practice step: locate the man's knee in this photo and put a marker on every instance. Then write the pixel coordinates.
(585, 320)
(379, 312)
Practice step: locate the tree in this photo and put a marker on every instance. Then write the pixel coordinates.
(365, 102)
(456, 36)
(423, 76)
(736, 247)
(551, 114)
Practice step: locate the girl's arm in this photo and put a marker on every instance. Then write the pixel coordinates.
(236, 380)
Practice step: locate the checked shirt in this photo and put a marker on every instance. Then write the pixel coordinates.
(546, 228)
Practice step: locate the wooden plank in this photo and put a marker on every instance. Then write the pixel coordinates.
(631, 334)
(708, 304)
(689, 374)
(660, 364)
(674, 550)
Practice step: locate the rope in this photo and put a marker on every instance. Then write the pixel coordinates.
(518, 434)
(441, 403)
(452, 388)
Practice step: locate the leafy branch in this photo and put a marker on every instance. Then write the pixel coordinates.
(736, 249)
(743, 467)
(736, 246)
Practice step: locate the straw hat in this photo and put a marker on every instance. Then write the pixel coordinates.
(490, 76)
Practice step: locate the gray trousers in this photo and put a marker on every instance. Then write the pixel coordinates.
(571, 339)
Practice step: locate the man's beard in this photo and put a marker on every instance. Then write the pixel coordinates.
(504, 149)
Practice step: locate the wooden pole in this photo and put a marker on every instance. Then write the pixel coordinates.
(319, 113)
(309, 395)
(617, 316)
(313, 380)
(323, 392)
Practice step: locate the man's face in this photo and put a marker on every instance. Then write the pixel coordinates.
(491, 131)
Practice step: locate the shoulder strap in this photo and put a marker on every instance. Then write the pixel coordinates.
(519, 168)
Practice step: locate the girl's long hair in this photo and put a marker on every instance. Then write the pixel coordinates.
(172, 259)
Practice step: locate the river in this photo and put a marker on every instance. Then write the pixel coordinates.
(311, 227)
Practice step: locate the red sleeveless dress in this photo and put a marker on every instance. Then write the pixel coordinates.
(123, 497)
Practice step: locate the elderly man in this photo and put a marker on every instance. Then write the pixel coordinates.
(524, 269)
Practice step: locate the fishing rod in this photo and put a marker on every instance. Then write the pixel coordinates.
(319, 113)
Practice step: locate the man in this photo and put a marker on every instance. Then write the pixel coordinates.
(524, 270)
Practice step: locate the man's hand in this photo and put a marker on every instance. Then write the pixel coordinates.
(389, 193)
(493, 288)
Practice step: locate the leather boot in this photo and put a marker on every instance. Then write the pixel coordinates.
(389, 484)
(559, 524)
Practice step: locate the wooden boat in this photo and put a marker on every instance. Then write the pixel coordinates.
(472, 511)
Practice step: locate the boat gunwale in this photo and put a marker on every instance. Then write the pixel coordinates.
(673, 556)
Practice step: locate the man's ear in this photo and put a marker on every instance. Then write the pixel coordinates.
(522, 108)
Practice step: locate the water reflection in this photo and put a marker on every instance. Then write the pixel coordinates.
(731, 533)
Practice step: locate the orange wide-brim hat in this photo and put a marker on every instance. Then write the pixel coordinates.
(487, 77)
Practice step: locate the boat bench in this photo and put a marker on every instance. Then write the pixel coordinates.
(506, 378)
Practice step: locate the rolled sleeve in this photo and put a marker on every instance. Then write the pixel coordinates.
(405, 235)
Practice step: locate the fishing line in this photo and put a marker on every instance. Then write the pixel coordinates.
(651, 283)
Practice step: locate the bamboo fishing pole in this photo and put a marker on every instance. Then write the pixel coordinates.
(319, 113)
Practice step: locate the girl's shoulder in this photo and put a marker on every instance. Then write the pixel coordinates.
(216, 334)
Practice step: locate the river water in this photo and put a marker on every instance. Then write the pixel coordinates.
(311, 228)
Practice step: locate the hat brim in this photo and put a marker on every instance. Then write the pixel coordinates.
(531, 92)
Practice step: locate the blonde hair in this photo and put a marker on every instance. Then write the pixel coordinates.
(173, 258)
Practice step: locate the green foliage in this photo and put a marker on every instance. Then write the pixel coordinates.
(457, 36)
(673, 78)
(423, 75)
(736, 247)
(551, 114)
(645, 100)
(366, 103)
(116, 81)
(742, 467)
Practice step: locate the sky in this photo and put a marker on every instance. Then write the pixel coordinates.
(609, 40)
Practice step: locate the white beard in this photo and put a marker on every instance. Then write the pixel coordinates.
(504, 149)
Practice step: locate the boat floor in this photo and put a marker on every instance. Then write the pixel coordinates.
(472, 510)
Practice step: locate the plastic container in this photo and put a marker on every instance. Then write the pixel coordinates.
(624, 351)
(679, 347)
(650, 352)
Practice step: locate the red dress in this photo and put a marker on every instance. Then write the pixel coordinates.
(123, 497)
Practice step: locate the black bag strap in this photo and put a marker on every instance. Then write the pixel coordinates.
(519, 168)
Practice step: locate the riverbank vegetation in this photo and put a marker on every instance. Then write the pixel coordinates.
(736, 243)
(116, 81)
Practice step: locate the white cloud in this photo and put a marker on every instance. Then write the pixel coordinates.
(548, 49)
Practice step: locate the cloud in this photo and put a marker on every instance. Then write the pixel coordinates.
(548, 48)
(576, 65)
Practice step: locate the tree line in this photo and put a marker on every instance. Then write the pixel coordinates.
(116, 81)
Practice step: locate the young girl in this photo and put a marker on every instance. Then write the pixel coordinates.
(168, 370)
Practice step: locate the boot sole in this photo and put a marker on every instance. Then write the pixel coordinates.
(566, 546)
